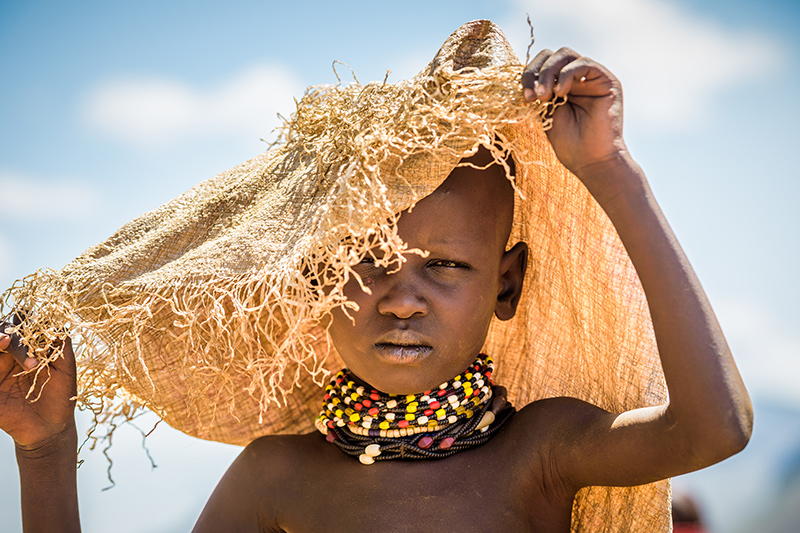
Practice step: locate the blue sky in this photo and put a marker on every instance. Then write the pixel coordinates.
(109, 109)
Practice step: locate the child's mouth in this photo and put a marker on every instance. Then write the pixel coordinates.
(402, 354)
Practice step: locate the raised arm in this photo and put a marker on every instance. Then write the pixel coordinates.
(709, 416)
(45, 436)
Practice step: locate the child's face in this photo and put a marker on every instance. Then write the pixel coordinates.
(426, 322)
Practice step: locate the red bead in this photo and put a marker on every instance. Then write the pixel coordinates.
(427, 393)
(425, 442)
(374, 396)
(435, 405)
(367, 403)
(442, 392)
(402, 424)
(374, 411)
(428, 412)
(331, 436)
(358, 406)
(446, 443)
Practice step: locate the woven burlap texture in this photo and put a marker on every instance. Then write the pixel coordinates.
(209, 309)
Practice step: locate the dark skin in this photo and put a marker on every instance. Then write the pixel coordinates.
(406, 338)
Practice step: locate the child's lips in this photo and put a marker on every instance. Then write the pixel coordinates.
(403, 354)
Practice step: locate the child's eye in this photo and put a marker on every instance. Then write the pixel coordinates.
(446, 263)
(367, 265)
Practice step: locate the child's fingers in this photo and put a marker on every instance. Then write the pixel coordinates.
(585, 77)
(11, 345)
(531, 74)
(572, 73)
(550, 71)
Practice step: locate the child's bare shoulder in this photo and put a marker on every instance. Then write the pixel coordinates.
(263, 482)
(276, 459)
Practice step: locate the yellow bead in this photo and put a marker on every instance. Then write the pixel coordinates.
(339, 413)
(409, 417)
(412, 407)
(410, 398)
(355, 417)
(441, 413)
(384, 425)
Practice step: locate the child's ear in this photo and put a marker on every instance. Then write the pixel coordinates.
(512, 274)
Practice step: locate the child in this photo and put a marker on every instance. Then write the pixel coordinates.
(410, 306)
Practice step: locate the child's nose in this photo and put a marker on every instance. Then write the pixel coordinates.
(403, 301)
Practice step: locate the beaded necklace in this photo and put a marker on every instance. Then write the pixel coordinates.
(462, 413)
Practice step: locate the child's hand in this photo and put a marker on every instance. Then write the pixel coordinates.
(587, 129)
(33, 422)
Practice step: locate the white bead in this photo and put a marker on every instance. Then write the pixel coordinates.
(373, 450)
(391, 404)
(365, 459)
(422, 420)
(390, 416)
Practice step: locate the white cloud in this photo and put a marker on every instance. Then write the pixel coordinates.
(27, 197)
(767, 353)
(673, 63)
(157, 112)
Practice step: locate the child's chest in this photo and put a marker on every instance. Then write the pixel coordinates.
(486, 489)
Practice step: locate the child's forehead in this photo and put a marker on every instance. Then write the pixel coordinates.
(476, 199)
